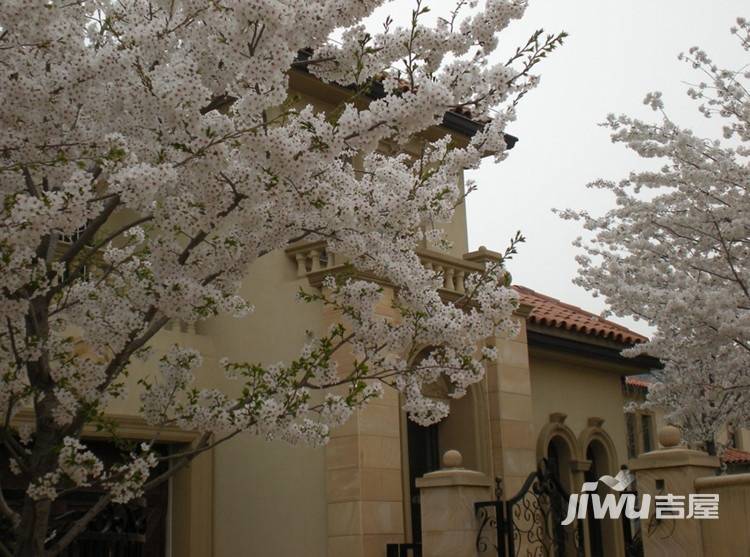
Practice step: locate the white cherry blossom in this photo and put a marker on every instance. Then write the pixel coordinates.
(150, 151)
(675, 251)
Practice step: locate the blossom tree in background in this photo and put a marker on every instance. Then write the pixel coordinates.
(675, 251)
(149, 151)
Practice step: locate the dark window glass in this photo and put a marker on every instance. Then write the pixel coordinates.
(647, 428)
(631, 435)
(424, 457)
(596, 537)
(135, 529)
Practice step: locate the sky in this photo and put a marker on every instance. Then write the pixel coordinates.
(617, 51)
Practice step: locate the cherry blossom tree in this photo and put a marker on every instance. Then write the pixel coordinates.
(675, 251)
(150, 151)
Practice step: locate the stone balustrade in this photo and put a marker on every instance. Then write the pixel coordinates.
(453, 270)
(314, 261)
(180, 326)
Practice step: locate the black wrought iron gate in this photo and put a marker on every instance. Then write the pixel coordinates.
(529, 524)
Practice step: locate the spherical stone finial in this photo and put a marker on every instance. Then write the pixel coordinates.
(670, 436)
(482, 248)
(452, 459)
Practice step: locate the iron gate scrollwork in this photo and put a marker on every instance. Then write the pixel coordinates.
(529, 523)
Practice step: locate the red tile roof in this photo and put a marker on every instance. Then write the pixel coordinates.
(635, 381)
(735, 456)
(551, 312)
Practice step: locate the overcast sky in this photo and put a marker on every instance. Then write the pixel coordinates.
(618, 50)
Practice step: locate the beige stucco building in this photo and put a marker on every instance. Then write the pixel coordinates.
(556, 393)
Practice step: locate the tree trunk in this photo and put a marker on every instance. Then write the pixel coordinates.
(32, 531)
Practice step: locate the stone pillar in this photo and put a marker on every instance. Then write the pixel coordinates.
(509, 399)
(511, 411)
(192, 508)
(730, 534)
(672, 470)
(363, 472)
(449, 525)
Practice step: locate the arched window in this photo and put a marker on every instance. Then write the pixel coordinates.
(597, 455)
(559, 457)
(558, 445)
(605, 536)
(560, 454)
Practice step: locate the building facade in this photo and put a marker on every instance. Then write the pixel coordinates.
(554, 394)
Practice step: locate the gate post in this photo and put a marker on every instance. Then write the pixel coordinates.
(449, 525)
(671, 471)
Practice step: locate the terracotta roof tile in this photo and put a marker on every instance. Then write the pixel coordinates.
(635, 381)
(551, 312)
(735, 456)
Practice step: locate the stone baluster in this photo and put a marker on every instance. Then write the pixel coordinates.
(315, 255)
(301, 264)
(186, 327)
(448, 278)
(437, 268)
(459, 280)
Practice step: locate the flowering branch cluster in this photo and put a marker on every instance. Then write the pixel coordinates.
(150, 151)
(679, 256)
(79, 467)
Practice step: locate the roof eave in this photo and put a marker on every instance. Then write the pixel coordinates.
(453, 121)
(582, 347)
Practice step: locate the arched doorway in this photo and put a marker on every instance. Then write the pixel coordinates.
(424, 457)
(465, 429)
(559, 457)
(605, 535)
(461, 430)
(558, 445)
(599, 466)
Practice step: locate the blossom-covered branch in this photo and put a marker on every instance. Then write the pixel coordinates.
(150, 151)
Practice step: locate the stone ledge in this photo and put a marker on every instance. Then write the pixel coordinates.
(454, 477)
(730, 480)
(671, 458)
